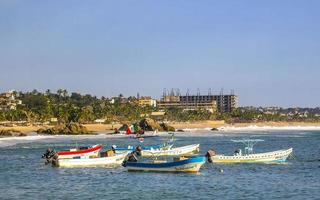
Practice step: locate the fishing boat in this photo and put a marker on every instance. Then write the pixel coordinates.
(164, 146)
(177, 151)
(249, 156)
(131, 148)
(81, 151)
(190, 165)
(89, 161)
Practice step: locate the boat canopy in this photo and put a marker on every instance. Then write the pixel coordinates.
(249, 143)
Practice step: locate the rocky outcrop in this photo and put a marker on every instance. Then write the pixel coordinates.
(65, 129)
(166, 127)
(215, 129)
(124, 127)
(11, 132)
(148, 124)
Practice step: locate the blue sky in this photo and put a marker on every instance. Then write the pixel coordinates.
(267, 51)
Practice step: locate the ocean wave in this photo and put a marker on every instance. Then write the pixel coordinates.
(10, 141)
(268, 128)
(196, 129)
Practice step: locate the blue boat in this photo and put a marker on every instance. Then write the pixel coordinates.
(181, 164)
(165, 146)
(131, 148)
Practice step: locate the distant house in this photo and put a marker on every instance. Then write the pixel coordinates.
(160, 115)
(147, 101)
(54, 119)
(8, 101)
(100, 121)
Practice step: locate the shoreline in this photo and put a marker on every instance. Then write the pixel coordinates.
(201, 125)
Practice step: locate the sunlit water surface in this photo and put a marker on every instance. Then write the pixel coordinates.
(23, 174)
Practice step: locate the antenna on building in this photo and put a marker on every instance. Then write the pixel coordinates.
(198, 92)
(187, 94)
(232, 92)
(221, 91)
(178, 92)
(171, 92)
(138, 95)
(209, 92)
(198, 96)
(221, 100)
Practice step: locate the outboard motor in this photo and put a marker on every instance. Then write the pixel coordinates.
(209, 155)
(133, 156)
(50, 155)
(138, 150)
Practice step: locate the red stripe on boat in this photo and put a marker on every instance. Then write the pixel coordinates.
(98, 147)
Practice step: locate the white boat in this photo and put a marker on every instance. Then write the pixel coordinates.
(278, 156)
(82, 151)
(177, 151)
(189, 165)
(87, 161)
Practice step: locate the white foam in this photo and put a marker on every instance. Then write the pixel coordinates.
(268, 128)
(10, 141)
(196, 129)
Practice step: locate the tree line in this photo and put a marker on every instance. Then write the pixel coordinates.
(67, 107)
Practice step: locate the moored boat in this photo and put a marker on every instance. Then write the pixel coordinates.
(164, 146)
(131, 148)
(87, 161)
(82, 151)
(190, 165)
(271, 157)
(177, 151)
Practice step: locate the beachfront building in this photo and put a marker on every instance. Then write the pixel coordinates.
(147, 101)
(221, 103)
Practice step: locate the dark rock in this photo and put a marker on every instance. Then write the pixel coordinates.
(166, 127)
(10, 132)
(215, 129)
(65, 129)
(124, 127)
(180, 130)
(22, 134)
(148, 124)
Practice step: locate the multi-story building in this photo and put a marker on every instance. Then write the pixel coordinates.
(147, 101)
(220, 103)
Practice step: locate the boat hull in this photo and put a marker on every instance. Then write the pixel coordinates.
(191, 165)
(85, 161)
(268, 157)
(179, 151)
(93, 151)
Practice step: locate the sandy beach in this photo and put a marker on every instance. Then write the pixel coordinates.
(108, 128)
(91, 127)
(198, 124)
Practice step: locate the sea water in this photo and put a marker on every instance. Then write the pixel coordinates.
(23, 174)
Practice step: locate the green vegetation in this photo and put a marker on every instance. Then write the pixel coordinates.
(74, 107)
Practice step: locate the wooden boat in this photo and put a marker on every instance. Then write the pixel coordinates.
(82, 151)
(164, 146)
(279, 156)
(131, 148)
(190, 165)
(177, 151)
(87, 161)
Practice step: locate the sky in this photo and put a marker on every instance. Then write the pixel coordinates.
(268, 52)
